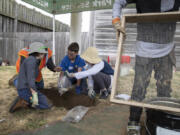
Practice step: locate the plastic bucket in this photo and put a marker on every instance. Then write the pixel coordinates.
(161, 122)
(125, 65)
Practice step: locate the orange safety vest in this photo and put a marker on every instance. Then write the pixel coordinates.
(43, 64)
(24, 53)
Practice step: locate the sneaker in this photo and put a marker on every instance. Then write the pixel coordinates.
(104, 94)
(133, 128)
(18, 103)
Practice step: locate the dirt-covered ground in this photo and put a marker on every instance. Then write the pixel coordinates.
(29, 119)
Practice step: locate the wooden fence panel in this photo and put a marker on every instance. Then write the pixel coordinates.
(1, 5)
(30, 16)
(11, 43)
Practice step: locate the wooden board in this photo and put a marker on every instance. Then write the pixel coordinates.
(118, 61)
(145, 105)
(150, 17)
(153, 17)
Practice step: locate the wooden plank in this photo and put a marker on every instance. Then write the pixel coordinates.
(118, 61)
(1, 6)
(4, 24)
(10, 8)
(153, 17)
(1, 27)
(145, 105)
(15, 7)
(7, 6)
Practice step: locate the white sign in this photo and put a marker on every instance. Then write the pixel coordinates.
(86, 4)
(102, 3)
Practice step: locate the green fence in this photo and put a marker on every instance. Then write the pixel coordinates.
(69, 6)
(42, 4)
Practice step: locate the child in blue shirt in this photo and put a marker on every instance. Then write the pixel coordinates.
(72, 63)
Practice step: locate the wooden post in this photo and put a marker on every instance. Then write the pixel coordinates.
(15, 16)
(54, 32)
(75, 32)
(92, 29)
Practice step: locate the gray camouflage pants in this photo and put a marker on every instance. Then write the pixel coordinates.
(163, 68)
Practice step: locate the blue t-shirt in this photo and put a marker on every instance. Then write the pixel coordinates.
(67, 65)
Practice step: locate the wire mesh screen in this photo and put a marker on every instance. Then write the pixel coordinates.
(149, 65)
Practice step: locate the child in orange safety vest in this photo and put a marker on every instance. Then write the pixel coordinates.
(46, 61)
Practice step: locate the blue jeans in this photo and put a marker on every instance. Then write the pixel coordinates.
(39, 85)
(83, 85)
(16, 82)
(26, 94)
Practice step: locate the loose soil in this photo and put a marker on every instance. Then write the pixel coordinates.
(69, 99)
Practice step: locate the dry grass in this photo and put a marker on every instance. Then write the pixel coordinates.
(125, 85)
(28, 119)
(24, 119)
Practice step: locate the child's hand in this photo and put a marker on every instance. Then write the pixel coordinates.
(69, 75)
(91, 93)
(57, 69)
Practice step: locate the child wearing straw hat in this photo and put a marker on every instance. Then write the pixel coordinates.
(98, 71)
(28, 94)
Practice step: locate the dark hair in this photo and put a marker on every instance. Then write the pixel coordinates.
(73, 47)
(46, 49)
(35, 54)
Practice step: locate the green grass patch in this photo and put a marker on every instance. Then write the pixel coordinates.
(35, 123)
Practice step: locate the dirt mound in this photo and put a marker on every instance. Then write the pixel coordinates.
(68, 100)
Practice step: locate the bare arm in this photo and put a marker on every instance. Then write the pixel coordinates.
(79, 81)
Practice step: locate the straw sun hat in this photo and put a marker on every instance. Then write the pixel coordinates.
(91, 55)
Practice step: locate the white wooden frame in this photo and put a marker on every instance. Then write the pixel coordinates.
(134, 18)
